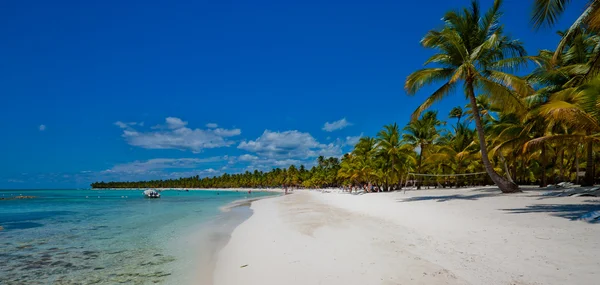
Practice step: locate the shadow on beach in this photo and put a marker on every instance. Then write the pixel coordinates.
(568, 211)
(446, 198)
(566, 207)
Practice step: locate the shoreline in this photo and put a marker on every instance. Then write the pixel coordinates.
(243, 203)
(201, 245)
(449, 236)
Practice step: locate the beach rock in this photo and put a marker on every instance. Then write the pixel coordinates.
(1, 228)
(25, 197)
(18, 197)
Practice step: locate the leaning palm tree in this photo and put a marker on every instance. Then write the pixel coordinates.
(473, 50)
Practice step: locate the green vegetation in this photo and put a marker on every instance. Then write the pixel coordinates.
(324, 174)
(539, 127)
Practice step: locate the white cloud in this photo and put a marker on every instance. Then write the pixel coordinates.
(211, 125)
(337, 125)
(175, 135)
(247, 157)
(353, 140)
(281, 149)
(128, 125)
(175, 123)
(289, 144)
(227, 133)
(42, 128)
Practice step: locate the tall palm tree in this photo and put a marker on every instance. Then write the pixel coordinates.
(473, 50)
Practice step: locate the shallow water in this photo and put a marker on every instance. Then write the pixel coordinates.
(101, 236)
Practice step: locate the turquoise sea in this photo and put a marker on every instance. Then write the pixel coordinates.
(110, 236)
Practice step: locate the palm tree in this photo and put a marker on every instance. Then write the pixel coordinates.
(565, 81)
(392, 151)
(358, 167)
(420, 134)
(456, 113)
(472, 49)
(578, 108)
(508, 135)
(456, 150)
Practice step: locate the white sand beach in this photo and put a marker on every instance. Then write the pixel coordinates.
(449, 236)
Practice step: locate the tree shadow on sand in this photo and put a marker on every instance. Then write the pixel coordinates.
(571, 212)
(445, 198)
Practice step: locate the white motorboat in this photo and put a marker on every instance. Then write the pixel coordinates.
(150, 193)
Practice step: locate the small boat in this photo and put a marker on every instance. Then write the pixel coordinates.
(150, 193)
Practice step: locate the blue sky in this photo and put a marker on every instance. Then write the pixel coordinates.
(126, 90)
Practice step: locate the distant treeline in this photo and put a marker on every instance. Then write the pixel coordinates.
(322, 175)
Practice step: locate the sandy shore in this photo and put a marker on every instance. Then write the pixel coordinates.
(466, 236)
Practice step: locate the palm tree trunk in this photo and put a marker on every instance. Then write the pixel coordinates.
(400, 178)
(419, 168)
(562, 165)
(594, 171)
(544, 163)
(504, 185)
(506, 169)
(589, 169)
(577, 165)
(458, 177)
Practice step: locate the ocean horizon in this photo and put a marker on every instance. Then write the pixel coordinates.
(70, 236)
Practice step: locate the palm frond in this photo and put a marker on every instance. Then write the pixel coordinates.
(502, 96)
(559, 139)
(420, 78)
(572, 31)
(490, 19)
(569, 113)
(546, 12)
(514, 82)
(436, 96)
